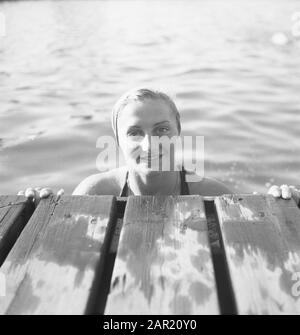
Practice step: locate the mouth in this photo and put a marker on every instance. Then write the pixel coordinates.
(148, 159)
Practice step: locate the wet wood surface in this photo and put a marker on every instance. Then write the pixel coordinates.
(53, 266)
(163, 263)
(261, 237)
(164, 255)
(15, 212)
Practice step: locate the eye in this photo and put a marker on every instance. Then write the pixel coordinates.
(134, 133)
(163, 130)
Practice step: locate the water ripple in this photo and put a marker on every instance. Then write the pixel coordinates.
(64, 64)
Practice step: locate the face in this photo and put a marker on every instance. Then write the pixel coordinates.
(140, 125)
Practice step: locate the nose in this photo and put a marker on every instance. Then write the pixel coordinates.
(146, 142)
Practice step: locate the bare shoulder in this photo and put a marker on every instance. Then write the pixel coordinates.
(105, 183)
(206, 186)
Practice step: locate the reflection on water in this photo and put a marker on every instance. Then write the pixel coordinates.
(63, 65)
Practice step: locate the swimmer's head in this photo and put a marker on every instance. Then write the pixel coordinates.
(142, 95)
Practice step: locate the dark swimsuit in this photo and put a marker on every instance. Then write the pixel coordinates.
(184, 188)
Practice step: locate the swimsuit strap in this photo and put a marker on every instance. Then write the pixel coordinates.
(124, 190)
(184, 188)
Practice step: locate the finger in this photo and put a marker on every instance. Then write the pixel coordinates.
(29, 193)
(285, 192)
(21, 193)
(37, 197)
(275, 191)
(45, 192)
(60, 192)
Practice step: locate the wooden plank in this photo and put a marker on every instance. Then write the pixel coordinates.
(53, 266)
(15, 212)
(261, 238)
(163, 263)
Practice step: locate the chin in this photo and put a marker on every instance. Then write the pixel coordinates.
(144, 169)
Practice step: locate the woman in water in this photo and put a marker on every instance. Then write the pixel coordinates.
(137, 116)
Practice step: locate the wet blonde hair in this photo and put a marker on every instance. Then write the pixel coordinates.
(141, 94)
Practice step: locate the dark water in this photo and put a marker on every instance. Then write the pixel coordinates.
(63, 65)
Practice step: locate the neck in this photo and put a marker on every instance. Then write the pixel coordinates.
(154, 183)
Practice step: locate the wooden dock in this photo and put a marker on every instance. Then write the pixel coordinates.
(234, 254)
